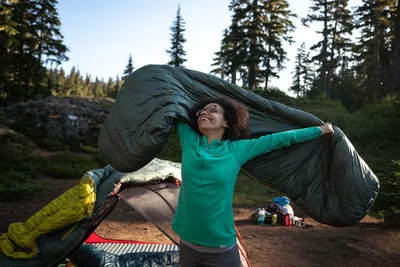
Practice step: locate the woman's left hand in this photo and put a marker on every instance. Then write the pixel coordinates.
(327, 129)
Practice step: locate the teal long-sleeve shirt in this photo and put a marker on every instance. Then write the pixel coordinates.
(204, 215)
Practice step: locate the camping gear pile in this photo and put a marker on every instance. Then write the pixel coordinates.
(279, 212)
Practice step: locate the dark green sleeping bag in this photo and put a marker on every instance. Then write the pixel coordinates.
(325, 177)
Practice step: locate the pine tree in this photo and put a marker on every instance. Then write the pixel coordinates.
(52, 81)
(97, 88)
(103, 86)
(246, 43)
(29, 38)
(230, 59)
(50, 47)
(236, 55)
(336, 23)
(320, 12)
(220, 57)
(116, 88)
(25, 65)
(296, 84)
(373, 51)
(395, 83)
(109, 87)
(302, 74)
(8, 34)
(176, 52)
(308, 73)
(257, 50)
(341, 43)
(61, 79)
(278, 27)
(346, 89)
(88, 86)
(78, 84)
(255, 40)
(44, 44)
(68, 89)
(128, 69)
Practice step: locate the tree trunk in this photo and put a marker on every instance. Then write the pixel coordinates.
(332, 57)
(268, 68)
(233, 76)
(324, 68)
(395, 84)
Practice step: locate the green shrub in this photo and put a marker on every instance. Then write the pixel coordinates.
(15, 185)
(172, 150)
(388, 201)
(67, 165)
(274, 94)
(17, 165)
(2, 116)
(15, 153)
(249, 192)
(98, 156)
(90, 150)
(376, 124)
(327, 110)
(375, 132)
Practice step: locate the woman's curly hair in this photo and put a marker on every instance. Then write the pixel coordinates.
(235, 114)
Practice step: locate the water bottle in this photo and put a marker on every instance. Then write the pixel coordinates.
(260, 218)
(288, 220)
(274, 218)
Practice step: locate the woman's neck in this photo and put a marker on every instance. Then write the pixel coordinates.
(212, 136)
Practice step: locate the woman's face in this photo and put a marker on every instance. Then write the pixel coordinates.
(211, 117)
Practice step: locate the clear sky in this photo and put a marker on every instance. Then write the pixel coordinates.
(101, 34)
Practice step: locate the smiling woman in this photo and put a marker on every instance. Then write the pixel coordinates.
(214, 147)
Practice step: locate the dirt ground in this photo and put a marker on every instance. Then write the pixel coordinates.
(366, 244)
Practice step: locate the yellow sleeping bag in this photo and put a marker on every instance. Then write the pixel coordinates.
(72, 206)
